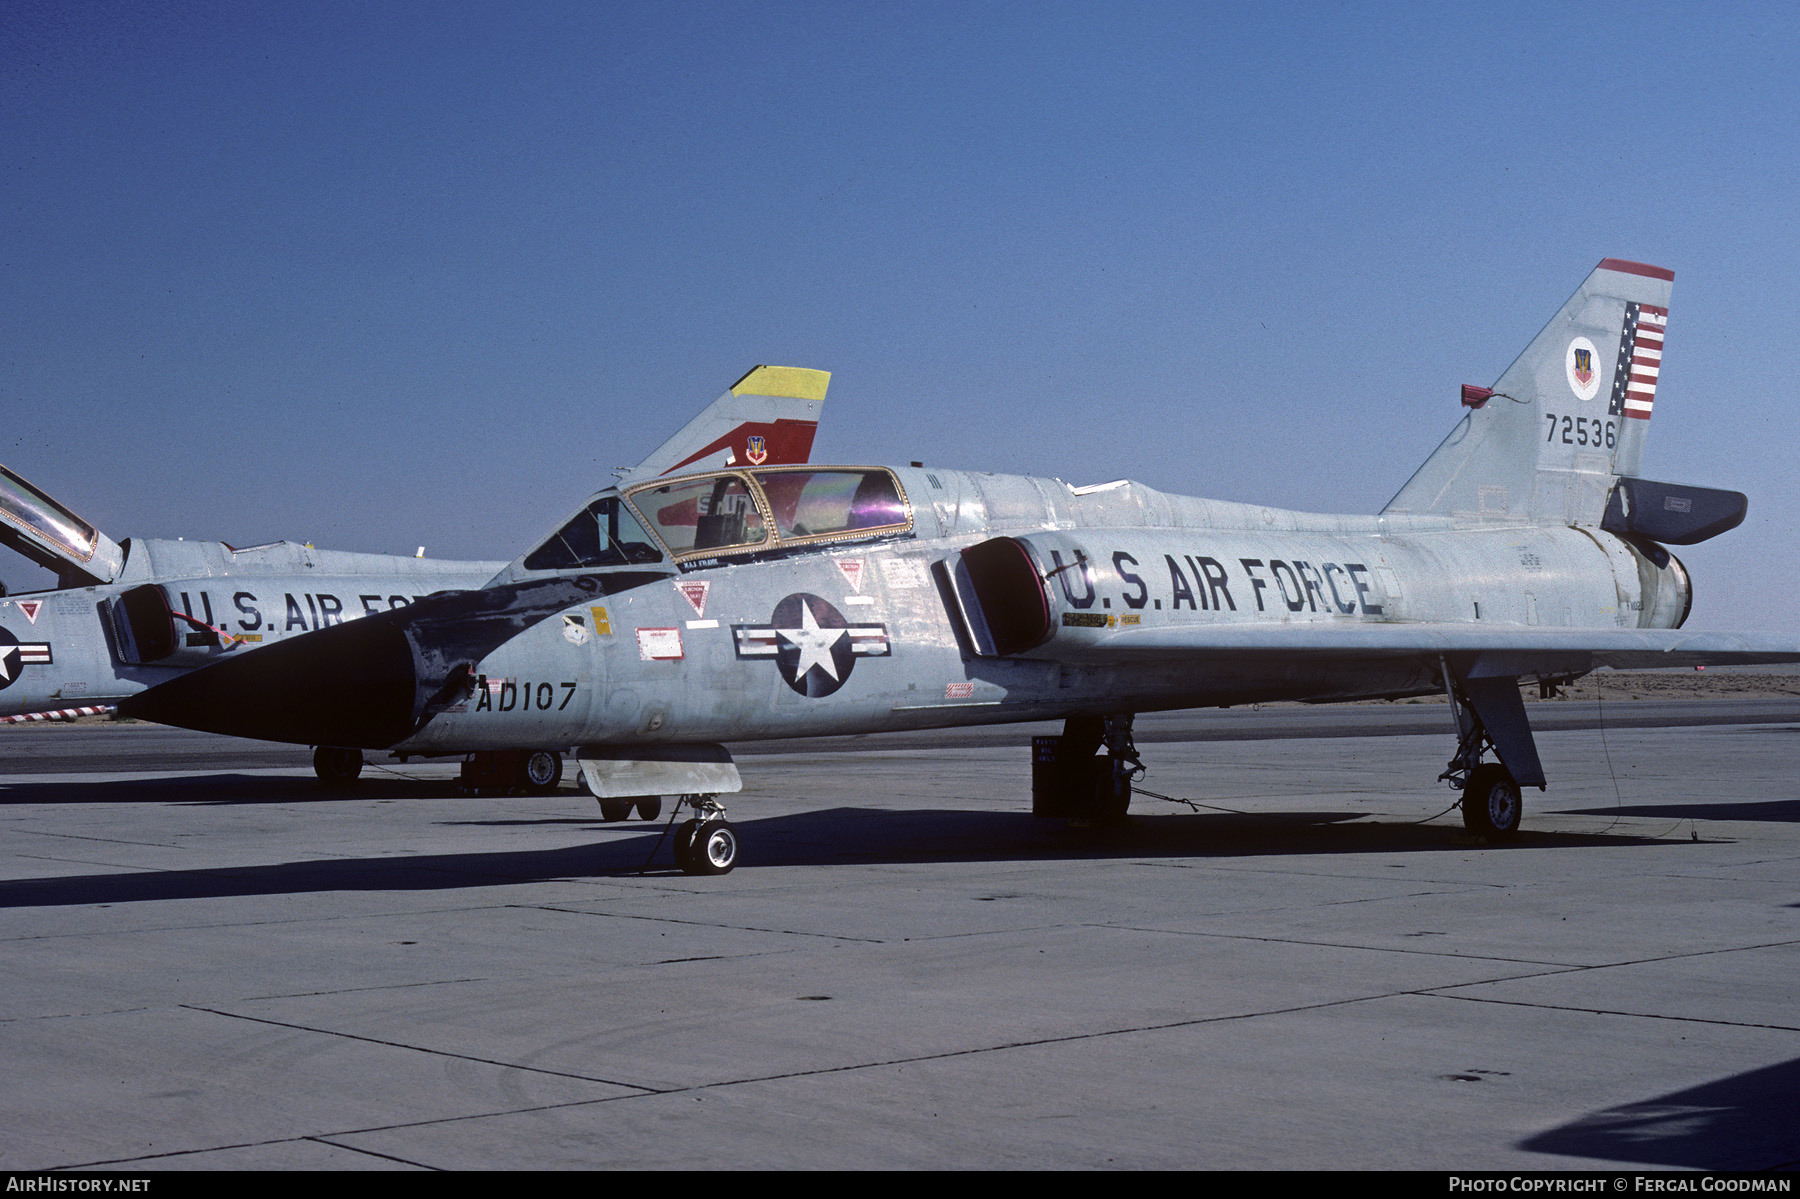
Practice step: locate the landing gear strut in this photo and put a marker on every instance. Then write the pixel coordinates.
(1069, 778)
(1490, 716)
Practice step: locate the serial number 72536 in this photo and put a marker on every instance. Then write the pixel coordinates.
(1580, 430)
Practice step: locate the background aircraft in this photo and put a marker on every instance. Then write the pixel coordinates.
(671, 615)
(131, 614)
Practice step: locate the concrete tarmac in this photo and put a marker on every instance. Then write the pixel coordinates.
(212, 962)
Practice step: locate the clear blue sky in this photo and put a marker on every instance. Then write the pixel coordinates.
(379, 274)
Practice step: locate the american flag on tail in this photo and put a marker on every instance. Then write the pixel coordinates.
(1640, 361)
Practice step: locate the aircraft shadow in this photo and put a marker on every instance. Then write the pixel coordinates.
(829, 837)
(222, 790)
(1778, 811)
(1749, 1121)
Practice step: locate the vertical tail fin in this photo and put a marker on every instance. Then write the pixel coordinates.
(1567, 417)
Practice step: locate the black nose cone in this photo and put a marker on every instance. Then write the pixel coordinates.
(352, 685)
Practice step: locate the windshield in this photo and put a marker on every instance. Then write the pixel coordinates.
(703, 514)
(605, 533)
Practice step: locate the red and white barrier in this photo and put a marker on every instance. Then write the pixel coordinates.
(58, 714)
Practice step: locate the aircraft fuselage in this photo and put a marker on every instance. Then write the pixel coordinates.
(72, 647)
(867, 636)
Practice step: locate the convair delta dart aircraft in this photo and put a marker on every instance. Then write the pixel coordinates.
(131, 614)
(742, 600)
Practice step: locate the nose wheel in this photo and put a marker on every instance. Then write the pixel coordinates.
(707, 843)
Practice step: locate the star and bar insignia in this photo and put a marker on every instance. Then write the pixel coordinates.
(812, 644)
(15, 655)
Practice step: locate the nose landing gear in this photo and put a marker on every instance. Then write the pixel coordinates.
(706, 844)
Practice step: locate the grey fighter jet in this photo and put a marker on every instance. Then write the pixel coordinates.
(132, 614)
(673, 614)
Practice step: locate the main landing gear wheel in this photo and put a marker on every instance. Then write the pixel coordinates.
(1490, 804)
(336, 766)
(648, 808)
(710, 848)
(541, 771)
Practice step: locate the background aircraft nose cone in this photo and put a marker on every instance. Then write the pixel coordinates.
(351, 685)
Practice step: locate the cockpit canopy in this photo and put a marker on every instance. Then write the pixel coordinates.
(729, 513)
(54, 537)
